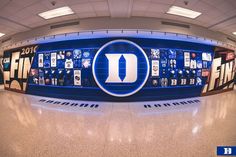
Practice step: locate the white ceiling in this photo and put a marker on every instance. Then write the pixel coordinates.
(21, 15)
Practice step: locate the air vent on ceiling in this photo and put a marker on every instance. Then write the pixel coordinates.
(6, 40)
(175, 24)
(230, 39)
(64, 25)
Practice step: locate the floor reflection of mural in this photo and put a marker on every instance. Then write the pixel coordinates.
(29, 129)
(23, 113)
(222, 73)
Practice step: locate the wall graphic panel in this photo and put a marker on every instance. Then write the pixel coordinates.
(69, 69)
(16, 65)
(221, 77)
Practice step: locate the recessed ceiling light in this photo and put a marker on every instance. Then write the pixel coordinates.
(2, 34)
(234, 33)
(56, 12)
(183, 12)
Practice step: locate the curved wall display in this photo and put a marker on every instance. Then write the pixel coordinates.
(112, 69)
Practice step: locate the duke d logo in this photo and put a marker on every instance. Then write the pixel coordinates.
(120, 68)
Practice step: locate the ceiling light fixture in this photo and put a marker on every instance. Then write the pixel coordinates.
(1, 34)
(56, 12)
(175, 10)
(234, 33)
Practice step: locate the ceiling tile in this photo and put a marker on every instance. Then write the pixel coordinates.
(154, 14)
(82, 8)
(72, 2)
(157, 7)
(213, 2)
(232, 2)
(203, 7)
(180, 3)
(100, 6)
(140, 6)
(225, 7)
(120, 8)
(87, 14)
(12, 25)
(163, 1)
(97, 0)
(15, 5)
(29, 11)
(4, 3)
(48, 4)
(17, 13)
(31, 20)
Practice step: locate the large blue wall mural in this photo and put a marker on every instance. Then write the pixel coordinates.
(115, 69)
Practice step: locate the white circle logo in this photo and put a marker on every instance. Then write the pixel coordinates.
(120, 68)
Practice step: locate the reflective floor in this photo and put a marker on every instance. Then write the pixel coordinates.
(30, 128)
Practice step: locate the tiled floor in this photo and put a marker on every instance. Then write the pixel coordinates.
(30, 128)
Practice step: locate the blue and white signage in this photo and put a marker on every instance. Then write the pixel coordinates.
(120, 68)
(226, 150)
